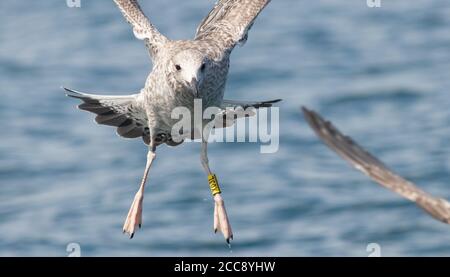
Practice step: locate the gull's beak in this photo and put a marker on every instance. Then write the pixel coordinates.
(194, 86)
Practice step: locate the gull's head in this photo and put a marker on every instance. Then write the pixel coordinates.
(189, 68)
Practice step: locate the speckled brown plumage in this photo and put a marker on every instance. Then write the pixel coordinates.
(183, 70)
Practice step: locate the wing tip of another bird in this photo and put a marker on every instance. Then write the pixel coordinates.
(307, 111)
(311, 116)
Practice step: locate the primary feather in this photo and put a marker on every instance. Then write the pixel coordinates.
(362, 160)
(123, 112)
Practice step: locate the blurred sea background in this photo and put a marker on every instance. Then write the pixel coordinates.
(380, 74)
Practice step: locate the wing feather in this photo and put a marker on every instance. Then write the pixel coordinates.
(229, 21)
(123, 112)
(362, 160)
(142, 27)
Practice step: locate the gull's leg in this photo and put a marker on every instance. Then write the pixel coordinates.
(221, 221)
(134, 217)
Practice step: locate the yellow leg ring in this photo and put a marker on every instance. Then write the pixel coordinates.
(213, 184)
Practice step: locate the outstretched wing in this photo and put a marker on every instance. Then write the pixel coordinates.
(142, 27)
(231, 110)
(375, 169)
(124, 112)
(229, 21)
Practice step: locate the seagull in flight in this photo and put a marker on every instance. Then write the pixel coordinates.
(365, 162)
(183, 71)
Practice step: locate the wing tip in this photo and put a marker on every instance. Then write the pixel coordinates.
(72, 93)
(308, 113)
(304, 109)
(437, 208)
(311, 117)
(268, 104)
(275, 101)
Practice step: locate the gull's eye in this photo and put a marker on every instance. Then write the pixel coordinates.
(203, 67)
(178, 67)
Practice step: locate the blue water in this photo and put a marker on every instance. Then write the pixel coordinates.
(381, 75)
